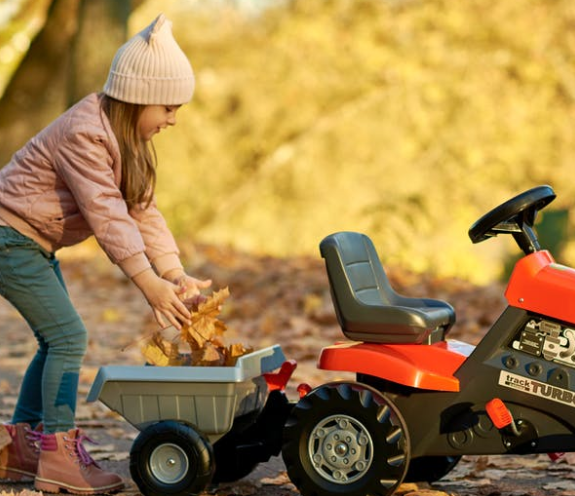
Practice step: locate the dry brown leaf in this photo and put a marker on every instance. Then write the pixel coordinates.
(427, 492)
(211, 356)
(406, 487)
(234, 351)
(5, 387)
(161, 352)
(205, 324)
(196, 336)
(280, 479)
(154, 355)
(5, 438)
(212, 306)
(24, 492)
(218, 341)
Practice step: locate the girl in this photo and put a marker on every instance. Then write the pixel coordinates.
(92, 171)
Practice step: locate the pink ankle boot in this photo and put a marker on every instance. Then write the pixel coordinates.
(19, 460)
(66, 465)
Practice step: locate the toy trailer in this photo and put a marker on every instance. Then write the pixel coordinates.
(199, 424)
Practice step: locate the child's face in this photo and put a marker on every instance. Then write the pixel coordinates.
(156, 117)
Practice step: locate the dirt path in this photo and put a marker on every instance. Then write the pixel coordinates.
(272, 302)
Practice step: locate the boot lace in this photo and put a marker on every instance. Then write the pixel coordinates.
(34, 439)
(80, 452)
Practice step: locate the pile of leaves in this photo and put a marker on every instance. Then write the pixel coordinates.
(200, 343)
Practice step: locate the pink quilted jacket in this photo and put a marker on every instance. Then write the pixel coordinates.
(63, 186)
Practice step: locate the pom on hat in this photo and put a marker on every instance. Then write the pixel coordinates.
(151, 68)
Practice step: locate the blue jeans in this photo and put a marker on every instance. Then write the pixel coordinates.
(31, 280)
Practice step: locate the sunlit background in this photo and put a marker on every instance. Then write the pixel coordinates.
(403, 119)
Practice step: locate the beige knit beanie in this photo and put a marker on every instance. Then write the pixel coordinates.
(151, 69)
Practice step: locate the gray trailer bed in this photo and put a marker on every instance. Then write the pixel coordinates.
(206, 397)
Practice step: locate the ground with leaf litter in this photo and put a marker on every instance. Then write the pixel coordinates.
(272, 301)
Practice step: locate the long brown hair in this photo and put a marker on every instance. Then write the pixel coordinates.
(138, 155)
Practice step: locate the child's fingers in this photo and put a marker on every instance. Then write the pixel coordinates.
(203, 284)
(159, 318)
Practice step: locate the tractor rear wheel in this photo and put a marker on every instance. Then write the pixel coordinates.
(346, 439)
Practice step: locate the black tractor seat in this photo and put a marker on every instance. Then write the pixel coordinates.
(367, 307)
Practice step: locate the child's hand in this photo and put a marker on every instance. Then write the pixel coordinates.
(189, 290)
(163, 297)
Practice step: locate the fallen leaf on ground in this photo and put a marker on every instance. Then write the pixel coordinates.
(280, 480)
(24, 492)
(427, 492)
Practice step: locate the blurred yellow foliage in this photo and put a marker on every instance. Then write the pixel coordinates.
(405, 120)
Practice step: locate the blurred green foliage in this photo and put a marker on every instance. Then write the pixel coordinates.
(404, 119)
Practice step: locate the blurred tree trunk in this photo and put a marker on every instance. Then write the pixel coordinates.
(102, 29)
(69, 58)
(37, 91)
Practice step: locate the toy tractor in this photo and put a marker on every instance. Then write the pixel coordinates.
(420, 400)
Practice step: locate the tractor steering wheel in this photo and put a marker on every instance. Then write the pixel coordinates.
(516, 216)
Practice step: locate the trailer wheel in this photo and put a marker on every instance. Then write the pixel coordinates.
(345, 439)
(430, 468)
(171, 458)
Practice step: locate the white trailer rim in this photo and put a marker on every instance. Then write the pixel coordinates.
(169, 463)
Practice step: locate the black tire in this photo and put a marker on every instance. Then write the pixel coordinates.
(430, 468)
(171, 458)
(346, 439)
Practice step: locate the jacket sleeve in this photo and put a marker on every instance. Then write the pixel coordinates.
(83, 161)
(161, 247)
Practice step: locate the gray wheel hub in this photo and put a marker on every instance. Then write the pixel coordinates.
(169, 463)
(341, 449)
